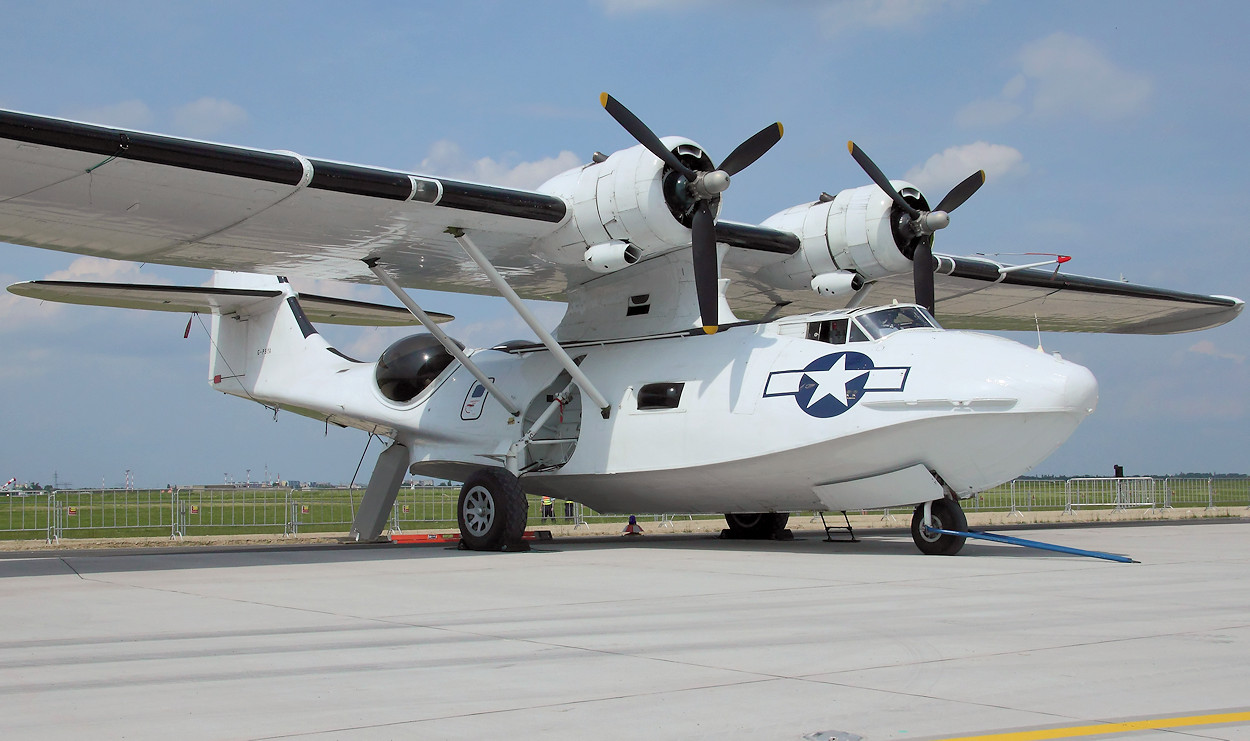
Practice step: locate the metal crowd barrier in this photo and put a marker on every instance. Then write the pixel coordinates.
(221, 511)
(1119, 493)
(205, 511)
(86, 513)
(26, 513)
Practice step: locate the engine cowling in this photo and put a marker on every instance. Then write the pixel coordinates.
(629, 197)
(857, 231)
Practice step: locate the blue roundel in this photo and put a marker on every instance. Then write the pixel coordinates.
(833, 383)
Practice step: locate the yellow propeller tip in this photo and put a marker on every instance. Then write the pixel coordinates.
(710, 330)
(850, 147)
(603, 99)
(781, 130)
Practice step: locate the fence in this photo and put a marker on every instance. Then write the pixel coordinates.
(118, 513)
(26, 514)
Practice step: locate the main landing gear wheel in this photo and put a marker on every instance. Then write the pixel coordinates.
(945, 514)
(756, 525)
(492, 512)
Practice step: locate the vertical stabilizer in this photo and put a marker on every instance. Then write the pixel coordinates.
(265, 344)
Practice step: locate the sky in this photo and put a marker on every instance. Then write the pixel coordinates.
(1111, 131)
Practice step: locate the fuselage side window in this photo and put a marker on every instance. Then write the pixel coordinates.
(857, 334)
(666, 395)
(838, 330)
(832, 331)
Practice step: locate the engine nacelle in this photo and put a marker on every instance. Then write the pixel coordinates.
(858, 231)
(838, 283)
(630, 196)
(610, 257)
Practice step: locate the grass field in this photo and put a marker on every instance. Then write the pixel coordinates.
(113, 513)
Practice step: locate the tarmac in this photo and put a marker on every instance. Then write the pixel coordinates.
(662, 636)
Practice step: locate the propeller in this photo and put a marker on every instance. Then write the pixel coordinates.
(917, 226)
(704, 188)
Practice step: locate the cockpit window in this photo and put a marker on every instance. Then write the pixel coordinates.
(891, 319)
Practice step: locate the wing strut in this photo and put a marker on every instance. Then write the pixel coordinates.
(442, 337)
(506, 291)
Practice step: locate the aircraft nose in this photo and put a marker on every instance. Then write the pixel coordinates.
(1080, 389)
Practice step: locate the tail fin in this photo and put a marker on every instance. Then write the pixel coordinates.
(260, 336)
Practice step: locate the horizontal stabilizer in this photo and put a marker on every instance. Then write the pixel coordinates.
(209, 300)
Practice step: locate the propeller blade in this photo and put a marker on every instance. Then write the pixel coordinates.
(962, 192)
(752, 149)
(703, 253)
(922, 273)
(880, 179)
(644, 135)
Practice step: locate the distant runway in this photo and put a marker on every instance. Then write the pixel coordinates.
(662, 637)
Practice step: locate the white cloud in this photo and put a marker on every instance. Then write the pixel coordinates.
(339, 289)
(1063, 75)
(508, 326)
(447, 159)
(835, 17)
(208, 117)
(994, 111)
(368, 345)
(128, 114)
(849, 15)
(943, 170)
(620, 7)
(101, 269)
(1207, 347)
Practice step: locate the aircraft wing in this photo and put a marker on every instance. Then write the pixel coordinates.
(143, 197)
(978, 293)
(210, 299)
(129, 195)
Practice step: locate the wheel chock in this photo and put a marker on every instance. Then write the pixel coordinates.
(431, 538)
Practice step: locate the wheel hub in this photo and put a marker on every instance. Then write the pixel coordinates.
(930, 532)
(479, 510)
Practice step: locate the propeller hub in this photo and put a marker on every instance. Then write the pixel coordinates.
(710, 184)
(933, 220)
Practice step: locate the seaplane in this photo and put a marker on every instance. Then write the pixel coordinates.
(702, 365)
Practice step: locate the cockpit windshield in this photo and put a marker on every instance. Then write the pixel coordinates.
(891, 319)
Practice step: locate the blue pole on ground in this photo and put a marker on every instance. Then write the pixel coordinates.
(1034, 544)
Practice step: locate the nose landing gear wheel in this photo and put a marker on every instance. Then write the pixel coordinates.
(945, 514)
(492, 512)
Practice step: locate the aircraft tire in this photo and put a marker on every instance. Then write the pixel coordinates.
(492, 512)
(756, 525)
(946, 514)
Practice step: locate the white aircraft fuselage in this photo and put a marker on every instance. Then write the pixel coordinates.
(755, 418)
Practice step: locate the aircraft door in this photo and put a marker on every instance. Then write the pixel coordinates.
(555, 440)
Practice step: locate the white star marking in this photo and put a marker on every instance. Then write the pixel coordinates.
(833, 382)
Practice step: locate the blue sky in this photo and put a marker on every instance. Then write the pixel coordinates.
(1111, 131)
